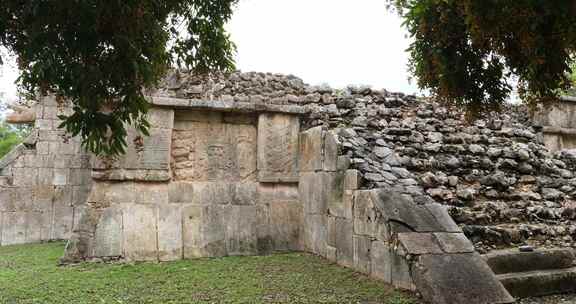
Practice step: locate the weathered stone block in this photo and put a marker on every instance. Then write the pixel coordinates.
(330, 161)
(161, 118)
(311, 150)
(37, 226)
(215, 221)
(440, 212)
(170, 239)
(381, 259)
(312, 193)
(469, 280)
(401, 272)
(344, 242)
(278, 147)
(62, 222)
(366, 217)
(405, 214)
(454, 242)
(181, 192)
(213, 193)
(315, 233)
(140, 232)
(192, 231)
(245, 194)
(351, 179)
(13, 228)
(108, 237)
(362, 246)
(241, 238)
(286, 225)
(215, 152)
(419, 243)
(151, 193)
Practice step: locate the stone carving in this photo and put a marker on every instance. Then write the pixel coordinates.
(278, 148)
(214, 151)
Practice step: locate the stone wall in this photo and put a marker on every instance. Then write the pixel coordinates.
(558, 122)
(44, 182)
(208, 182)
(382, 234)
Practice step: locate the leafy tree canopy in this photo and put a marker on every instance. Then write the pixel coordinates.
(467, 51)
(102, 54)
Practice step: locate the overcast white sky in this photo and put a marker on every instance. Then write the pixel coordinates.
(338, 42)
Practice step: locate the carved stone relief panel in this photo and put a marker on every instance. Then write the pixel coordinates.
(212, 150)
(278, 148)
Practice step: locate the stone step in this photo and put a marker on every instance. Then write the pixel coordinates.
(510, 261)
(539, 282)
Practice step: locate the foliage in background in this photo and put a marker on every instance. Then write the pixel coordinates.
(102, 55)
(466, 51)
(572, 90)
(10, 137)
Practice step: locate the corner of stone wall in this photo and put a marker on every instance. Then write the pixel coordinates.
(45, 181)
(382, 234)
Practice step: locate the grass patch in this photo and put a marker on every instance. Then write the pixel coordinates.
(28, 274)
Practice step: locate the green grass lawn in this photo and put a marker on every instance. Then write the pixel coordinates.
(29, 274)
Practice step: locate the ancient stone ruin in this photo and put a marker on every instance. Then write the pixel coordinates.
(393, 186)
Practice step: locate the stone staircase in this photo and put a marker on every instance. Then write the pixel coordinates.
(537, 273)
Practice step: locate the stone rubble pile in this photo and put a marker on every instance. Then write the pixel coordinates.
(502, 185)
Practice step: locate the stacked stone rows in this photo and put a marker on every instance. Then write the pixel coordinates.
(504, 187)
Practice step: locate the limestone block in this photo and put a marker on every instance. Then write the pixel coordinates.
(362, 246)
(22, 199)
(108, 237)
(245, 194)
(263, 231)
(344, 242)
(286, 225)
(333, 184)
(351, 179)
(45, 176)
(380, 257)
(419, 243)
(312, 192)
(366, 217)
(286, 192)
(331, 253)
(440, 212)
(61, 177)
(196, 116)
(170, 238)
(241, 237)
(315, 234)
(62, 222)
(458, 278)
(80, 177)
(115, 192)
(151, 193)
(80, 194)
(401, 271)
(215, 152)
(25, 177)
(278, 147)
(37, 226)
(311, 150)
(13, 228)
(192, 231)
(213, 193)
(330, 161)
(205, 230)
(214, 230)
(180, 192)
(406, 215)
(240, 119)
(454, 242)
(156, 150)
(161, 118)
(62, 196)
(140, 232)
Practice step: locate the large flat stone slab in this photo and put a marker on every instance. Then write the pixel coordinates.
(278, 147)
(457, 279)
